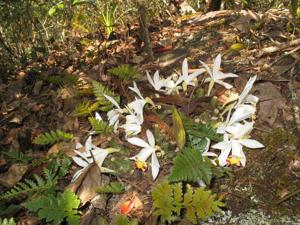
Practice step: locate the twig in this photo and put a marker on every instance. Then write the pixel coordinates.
(291, 194)
(272, 49)
(284, 55)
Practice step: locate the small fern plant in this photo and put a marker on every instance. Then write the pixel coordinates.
(111, 188)
(125, 72)
(52, 137)
(169, 201)
(56, 209)
(191, 166)
(38, 185)
(100, 126)
(99, 91)
(85, 108)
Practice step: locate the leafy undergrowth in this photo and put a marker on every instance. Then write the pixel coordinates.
(171, 148)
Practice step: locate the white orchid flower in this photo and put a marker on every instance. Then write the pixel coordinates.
(171, 86)
(206, 150)
(147, 150)
(238, 139)
(187, 79)
(216, 76)
(91, 154)
(156, 82)
(245, 97)
(136, 90)
(243, 110)
(98, 117)
(137, 108)
(114, 114)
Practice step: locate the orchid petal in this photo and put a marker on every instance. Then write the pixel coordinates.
(222, 76)
(113, 101)
(150, 79)
(246, 90)
(154, 166)
(144, 154)
(241, 113)
(138, 142)
(224, 84)
(88, 144)
(80, 162)
(185, 69)
(150, 138)
(250, 143)
(208, 70)
(217, 65)
(78, 145)
(136, 90)
(98, 117)
(221, 145)
(224, 155)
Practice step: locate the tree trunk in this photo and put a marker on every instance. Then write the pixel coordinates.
(144, 30)
(214, 5)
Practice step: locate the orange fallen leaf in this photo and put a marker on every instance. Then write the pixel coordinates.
(133, 203)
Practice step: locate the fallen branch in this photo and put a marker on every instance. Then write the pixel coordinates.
(282, 46)
(211, 15)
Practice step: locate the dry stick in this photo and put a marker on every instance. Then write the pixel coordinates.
(272, 49)
(284, 55)
(291, 194)
(211, 15)
(294, 99)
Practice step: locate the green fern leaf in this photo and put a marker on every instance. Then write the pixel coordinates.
(125, 72)
(112, 188)
(100, 126)
(6, 221)
(190, 166)
(100, 90)
(200, 130)
(62, 80)
(123, 220)
(52, 137)
(56, 208)
(39, 185)
(167, 201)
(200, 204)
(85, 108)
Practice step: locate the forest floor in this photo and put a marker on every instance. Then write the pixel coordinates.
(265, 191)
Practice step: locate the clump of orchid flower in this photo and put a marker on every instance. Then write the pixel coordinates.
(91, 154)
(133, 113)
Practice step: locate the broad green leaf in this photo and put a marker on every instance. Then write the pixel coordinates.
(178, 129)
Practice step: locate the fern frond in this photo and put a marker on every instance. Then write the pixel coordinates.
(17, 156)
(123, 220)
(200, 130)
(125, 72)
(38, 185)
(85, 108)
(166, 205)
(111, 188)
(100, 126)
(200, 204)
(169, 200)
(190, 166)
(6, 221)
(52, 137)
(100, 90)
(62, 80)
(56, 208)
